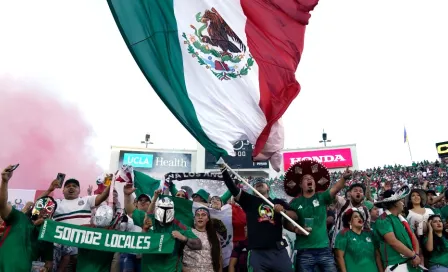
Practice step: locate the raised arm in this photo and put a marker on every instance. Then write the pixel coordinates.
(235, 191)
(54, 184)
(129, 206)
(152, 206)
(5, 209)
(368, 191)
(102, 197)
(338, 186)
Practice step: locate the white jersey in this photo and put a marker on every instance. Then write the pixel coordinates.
(77, 211)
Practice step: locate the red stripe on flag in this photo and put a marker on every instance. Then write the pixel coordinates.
(275, 32)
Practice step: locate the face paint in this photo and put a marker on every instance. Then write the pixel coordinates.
(44, 208)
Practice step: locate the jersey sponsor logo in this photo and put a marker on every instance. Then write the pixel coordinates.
(81, 202)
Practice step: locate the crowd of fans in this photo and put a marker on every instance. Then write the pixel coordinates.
(331, 221)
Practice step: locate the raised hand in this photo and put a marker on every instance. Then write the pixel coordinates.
(128, 189)
(90, 190)
(7, 174)
(347, 173)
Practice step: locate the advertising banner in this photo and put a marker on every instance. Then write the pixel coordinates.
(156, 161)
(331, 158)
(442, 149)
(241, 160)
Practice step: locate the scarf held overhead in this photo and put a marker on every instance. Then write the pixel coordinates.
(106, 240)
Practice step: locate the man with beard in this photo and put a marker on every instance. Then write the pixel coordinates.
(356, 193)
(264, 227)
(311, 180)
(19, 245)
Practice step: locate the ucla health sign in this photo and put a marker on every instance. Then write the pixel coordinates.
(156, 161)
(138, 160)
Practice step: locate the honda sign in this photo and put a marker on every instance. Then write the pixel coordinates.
(331, 158)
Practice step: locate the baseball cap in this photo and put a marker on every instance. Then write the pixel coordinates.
(71, 181)
(144, 195)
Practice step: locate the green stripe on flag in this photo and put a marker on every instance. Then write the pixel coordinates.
(183, 211)
(149, 29)
(145, 184)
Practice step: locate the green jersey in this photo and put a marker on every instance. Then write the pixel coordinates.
(359, 250)
(19, 244)
(386, 224)
(444, 212)
(94, 260)
(314, 207)
(439, 256)
(167, 262)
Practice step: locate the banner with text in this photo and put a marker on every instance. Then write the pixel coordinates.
(106, 240)
(331, 158)
(158, 162)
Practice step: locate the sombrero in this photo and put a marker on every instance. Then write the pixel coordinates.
(421, 192)
(293, 176)
(390, 196)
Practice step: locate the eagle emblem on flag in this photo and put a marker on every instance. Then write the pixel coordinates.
(220, 50)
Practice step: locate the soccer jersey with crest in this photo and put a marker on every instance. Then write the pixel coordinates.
(359, 250)
(75, 211)
(314, 207)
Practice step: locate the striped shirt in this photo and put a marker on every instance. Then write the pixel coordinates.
(76, 211)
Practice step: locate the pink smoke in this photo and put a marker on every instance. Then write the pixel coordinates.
(45, 135)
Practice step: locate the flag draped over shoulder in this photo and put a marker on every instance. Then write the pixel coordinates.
(184, 212)
(225, 69)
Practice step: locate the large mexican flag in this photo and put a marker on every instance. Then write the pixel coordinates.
(225, 69)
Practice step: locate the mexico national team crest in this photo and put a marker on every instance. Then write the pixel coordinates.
(217, 47)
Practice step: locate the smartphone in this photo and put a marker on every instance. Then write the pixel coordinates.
(14, 167)
(61, 178)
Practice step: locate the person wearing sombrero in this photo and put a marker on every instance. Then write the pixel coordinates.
(354, 246)
(264, 226)
(311, 180)
(398, 245)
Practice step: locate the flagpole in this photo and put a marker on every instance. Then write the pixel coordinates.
(221, 161)
(111, 192)
(409, 147)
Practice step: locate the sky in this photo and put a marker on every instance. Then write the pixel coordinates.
(369, 68)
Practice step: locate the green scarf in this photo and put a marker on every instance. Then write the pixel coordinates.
(106, 240)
